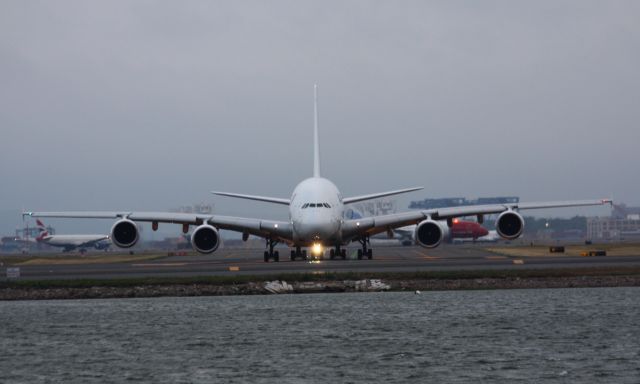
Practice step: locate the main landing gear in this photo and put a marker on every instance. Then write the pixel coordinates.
(338, 252)
(271, 254)
(298, 253)
(365, 251)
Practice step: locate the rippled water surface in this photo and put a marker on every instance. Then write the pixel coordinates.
(554, 335)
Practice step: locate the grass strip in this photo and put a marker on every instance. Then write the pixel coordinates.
(329, 276)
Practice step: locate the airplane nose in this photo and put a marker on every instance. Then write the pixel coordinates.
(317, 230)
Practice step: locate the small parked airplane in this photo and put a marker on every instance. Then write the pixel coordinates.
(316, 219)
(71, 242)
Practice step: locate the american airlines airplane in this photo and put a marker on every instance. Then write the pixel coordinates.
(316, 219)
(71, 242)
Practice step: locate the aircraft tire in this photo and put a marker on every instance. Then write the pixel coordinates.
(276, 256)
(369, 254)
(266, 256)
(359, 254)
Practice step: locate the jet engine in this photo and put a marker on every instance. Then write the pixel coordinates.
(509, 225)
(124, 233)
(430, 233)
(205, 239)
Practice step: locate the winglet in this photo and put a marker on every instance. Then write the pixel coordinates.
(316, 144)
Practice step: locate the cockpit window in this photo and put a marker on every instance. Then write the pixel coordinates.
(315, 205)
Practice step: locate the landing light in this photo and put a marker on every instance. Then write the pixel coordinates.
(316, 249)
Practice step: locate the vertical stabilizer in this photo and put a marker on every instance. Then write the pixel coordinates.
(42, 231)
(316, 143)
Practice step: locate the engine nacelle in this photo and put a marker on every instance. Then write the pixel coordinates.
(205, 239)
(430, 233)
(125, 233)
(509, 225)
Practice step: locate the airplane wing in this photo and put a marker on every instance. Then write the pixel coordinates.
(371, 225)
(355, 199)
(253, 197)
(263, 228)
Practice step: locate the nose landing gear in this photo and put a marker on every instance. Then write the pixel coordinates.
(298, 253)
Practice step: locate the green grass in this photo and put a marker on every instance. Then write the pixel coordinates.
(330, 276)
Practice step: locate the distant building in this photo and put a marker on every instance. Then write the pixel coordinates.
(621, 211)
(461, 201)
(624, 224)
(202, 208)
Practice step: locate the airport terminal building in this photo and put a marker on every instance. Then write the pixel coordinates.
(624, 224)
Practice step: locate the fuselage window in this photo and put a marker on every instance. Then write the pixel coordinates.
(305, 205)
(327, 205)
(311, 205)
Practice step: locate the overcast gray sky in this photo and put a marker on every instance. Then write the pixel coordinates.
(149, 105)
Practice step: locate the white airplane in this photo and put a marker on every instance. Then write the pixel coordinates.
(316, 219)
(71, 242)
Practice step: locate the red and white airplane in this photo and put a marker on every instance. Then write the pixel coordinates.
(71, 242)
(459, 229)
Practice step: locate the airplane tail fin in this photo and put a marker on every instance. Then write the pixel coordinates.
(43, 230)
(316, 143)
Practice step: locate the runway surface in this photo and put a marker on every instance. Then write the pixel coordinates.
(385, 259)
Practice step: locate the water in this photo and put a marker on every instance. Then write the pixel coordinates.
(554, 335)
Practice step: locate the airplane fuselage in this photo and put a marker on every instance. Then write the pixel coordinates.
(72, 241)
(316, 212)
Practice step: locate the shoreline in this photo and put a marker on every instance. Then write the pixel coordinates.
(330, 283)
